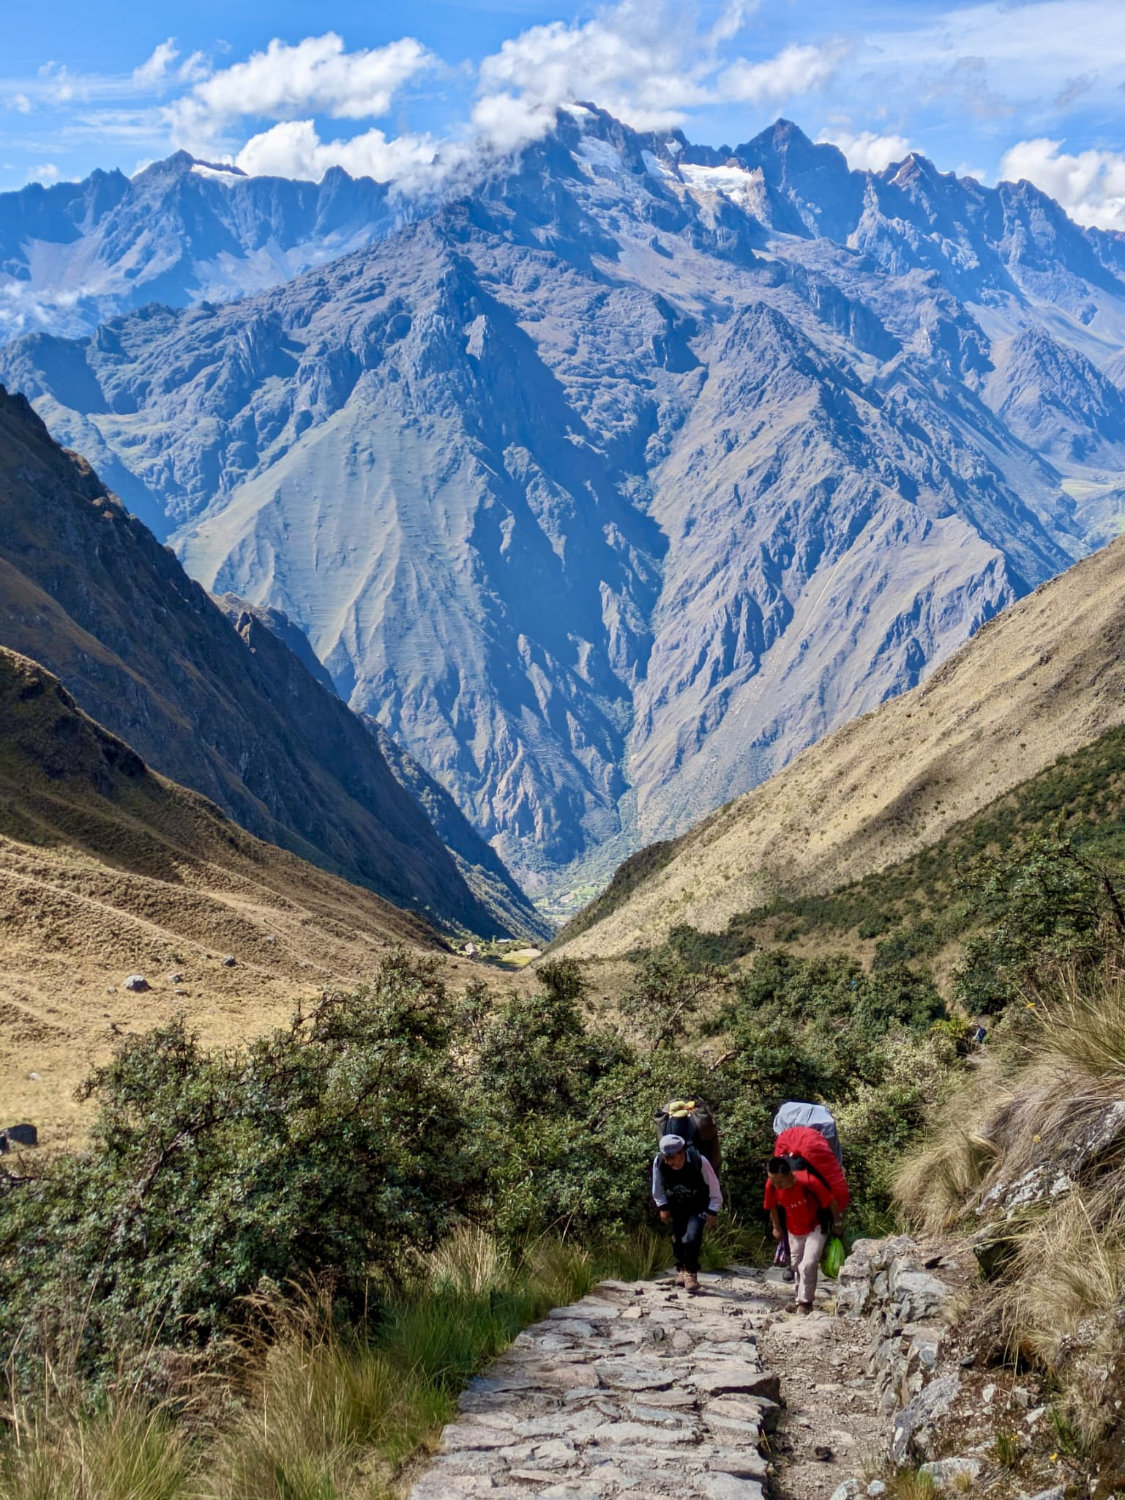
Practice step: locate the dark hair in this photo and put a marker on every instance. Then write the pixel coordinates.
(778, 1164)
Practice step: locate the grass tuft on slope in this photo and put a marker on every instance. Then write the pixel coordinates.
(1029, 1156)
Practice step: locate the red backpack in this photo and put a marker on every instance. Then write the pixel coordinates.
(807, 1148)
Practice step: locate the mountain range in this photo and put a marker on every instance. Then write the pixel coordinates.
(208, 692)
(181, 231)
(616, 478)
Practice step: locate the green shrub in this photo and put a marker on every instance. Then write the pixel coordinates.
(332, 1146)
(1048, 903)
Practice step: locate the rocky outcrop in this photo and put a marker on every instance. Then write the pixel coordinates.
(887, 1282)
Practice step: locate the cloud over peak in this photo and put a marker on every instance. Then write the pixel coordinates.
(1090, 185)
(317, 76)
(645, 61)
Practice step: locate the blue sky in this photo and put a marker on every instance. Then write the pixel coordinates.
(402, 91)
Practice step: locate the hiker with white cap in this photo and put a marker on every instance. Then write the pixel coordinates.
(687, 1193)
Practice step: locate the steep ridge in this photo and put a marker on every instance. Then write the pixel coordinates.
(178, 232)
(108, 869)
(144, 650)
(609, 486)
(1042, 680)
(482, 869)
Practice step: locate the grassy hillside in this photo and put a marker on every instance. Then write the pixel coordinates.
(914, 907)
(107, 869)
(1041, 681)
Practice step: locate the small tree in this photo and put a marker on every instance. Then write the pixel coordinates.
(665, 992)
(1048, 903)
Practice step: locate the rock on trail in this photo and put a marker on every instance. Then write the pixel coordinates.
(640, 1389)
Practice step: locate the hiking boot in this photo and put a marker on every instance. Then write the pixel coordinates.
(804, 1308)
(691, 1281)
(678, 1278)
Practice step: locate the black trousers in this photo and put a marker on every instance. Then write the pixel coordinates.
(687, 1237)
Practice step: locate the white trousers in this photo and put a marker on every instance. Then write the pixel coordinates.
(805, 1251)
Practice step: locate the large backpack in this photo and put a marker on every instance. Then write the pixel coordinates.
(806, 1148)
(694, 1121)
(796, 1112)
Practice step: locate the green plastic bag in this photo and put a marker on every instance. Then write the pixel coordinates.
(834, 1256)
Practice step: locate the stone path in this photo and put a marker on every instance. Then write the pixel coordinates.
(637, 1390)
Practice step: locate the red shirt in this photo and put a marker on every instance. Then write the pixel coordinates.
(802, 1202)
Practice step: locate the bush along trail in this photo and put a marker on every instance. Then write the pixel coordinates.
(432, 1171)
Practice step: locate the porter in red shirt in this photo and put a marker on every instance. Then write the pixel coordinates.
(802, 1202)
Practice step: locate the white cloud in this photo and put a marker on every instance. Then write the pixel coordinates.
(794, 71)
(507, 121)
(316, 76)
(1090, 185)
(294, 149)
(154, 72)
(46, 173)
(866, 151)
(20, 103)
(643, 61)
(998, 58)
(194, 68)
(59, 84)
(634, 60)
(730, 21)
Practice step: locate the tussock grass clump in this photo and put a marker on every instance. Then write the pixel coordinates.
(935, 1181)
(1034, 1144)
(909, 1484)
(127, 1451)
(322, 1403)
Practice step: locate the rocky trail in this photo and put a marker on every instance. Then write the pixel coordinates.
(641, 1389)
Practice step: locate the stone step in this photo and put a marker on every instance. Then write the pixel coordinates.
(634, 1390)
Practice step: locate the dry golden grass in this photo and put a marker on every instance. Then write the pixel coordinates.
(1050, 1114)
(128, 1453)
(106, 870)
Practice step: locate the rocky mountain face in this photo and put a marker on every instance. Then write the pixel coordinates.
(1042, 680)
(613, 483)
(480, 866)
(223, 708)
(181, 231)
